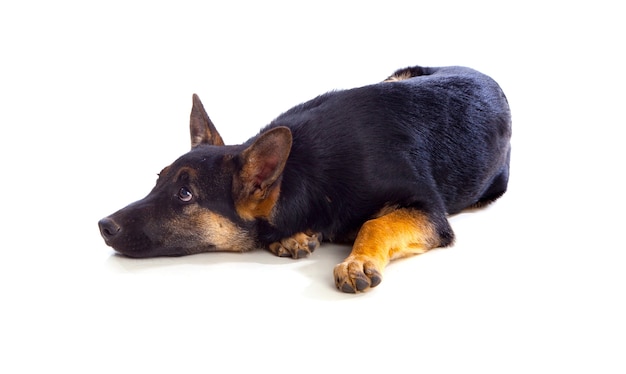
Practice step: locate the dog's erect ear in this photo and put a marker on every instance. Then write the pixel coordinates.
(201, 128)
(257, 185)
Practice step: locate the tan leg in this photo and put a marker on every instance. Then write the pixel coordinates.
(400, 233)
(296, 246)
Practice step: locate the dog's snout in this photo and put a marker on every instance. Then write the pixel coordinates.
(108, 228)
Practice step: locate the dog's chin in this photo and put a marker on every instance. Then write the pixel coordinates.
(162, 252)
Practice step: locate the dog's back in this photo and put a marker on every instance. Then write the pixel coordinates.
(436, 139)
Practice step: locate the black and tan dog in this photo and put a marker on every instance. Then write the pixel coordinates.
(380, 166)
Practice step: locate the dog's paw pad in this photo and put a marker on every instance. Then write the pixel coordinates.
(297, 246)
(354, 275)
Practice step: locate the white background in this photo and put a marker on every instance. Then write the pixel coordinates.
(95, 99)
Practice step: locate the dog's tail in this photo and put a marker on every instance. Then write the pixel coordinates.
(407, 73)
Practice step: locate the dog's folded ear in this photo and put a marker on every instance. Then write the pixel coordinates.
(256, 186)
(201, 128)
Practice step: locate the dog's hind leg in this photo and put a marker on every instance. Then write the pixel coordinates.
(299, 245)
(400, 233)
(496, 189)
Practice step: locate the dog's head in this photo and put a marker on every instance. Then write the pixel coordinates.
(207, 200)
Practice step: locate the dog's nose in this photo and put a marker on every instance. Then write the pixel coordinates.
(108, 228)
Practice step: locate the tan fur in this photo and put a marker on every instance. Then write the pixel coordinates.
(258, 205)
(257, 186)
(191, 172)
(399, 76)
(297, 246)
(392, 235)
(215, 230)
(385, 210)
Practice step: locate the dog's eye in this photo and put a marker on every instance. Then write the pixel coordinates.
(184, 194)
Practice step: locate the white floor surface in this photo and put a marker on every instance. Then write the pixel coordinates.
(94, 101)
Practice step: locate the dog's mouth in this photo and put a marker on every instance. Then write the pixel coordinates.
(162, 252)
(137, 244)
(143, 251)
(139, 249)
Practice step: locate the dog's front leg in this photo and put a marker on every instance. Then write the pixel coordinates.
(299, 245)
(401, 233)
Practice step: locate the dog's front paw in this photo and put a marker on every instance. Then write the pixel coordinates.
(296, 246)
(357, 274)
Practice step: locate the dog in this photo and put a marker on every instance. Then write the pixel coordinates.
(380, 166)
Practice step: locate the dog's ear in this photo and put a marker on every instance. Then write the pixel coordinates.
(201, 128)
(256, 186)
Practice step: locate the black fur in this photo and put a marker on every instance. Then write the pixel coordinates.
(438, 141)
